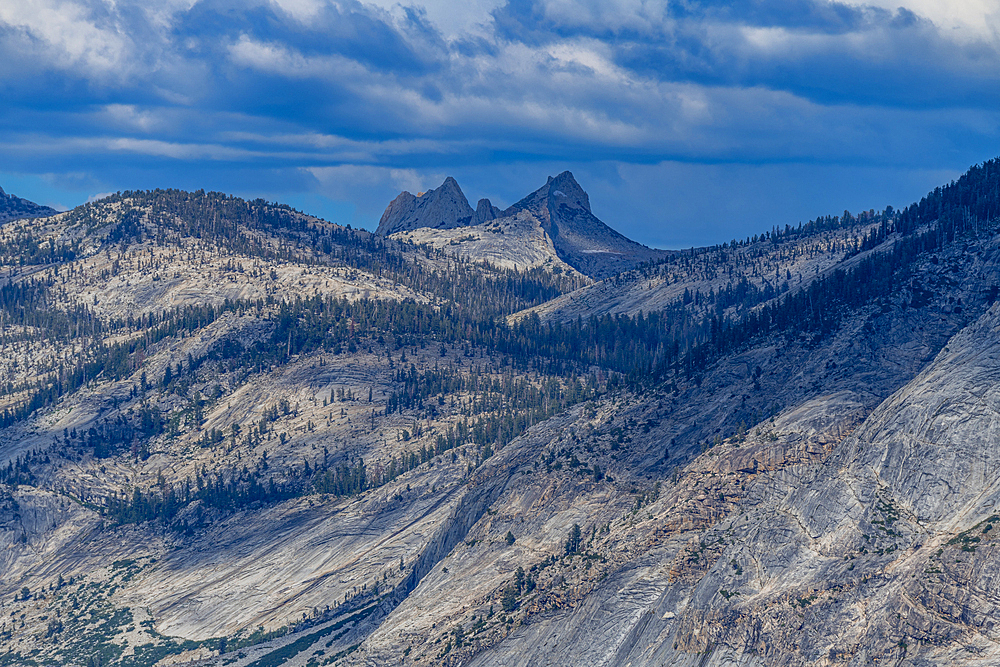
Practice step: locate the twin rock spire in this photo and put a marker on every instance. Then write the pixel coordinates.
(446, 207)
(560, 207)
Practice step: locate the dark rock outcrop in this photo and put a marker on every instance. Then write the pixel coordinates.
(15, 208)
(580, 238)
(485, 212)
(442, 208)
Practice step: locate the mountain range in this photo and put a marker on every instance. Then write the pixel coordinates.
(553, 226)
(232, 433)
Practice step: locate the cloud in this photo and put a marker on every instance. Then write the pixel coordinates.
(966, 21)
(819, 50)
(70, 34)
(341, 181)
(351, 101)
(97, 197)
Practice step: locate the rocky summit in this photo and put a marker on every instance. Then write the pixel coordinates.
(552, 226)
(235, 434)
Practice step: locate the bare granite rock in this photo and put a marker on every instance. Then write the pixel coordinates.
(810, 497)
(442, 208)
(560, 210)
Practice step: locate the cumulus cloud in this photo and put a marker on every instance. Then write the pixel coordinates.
(97, 197)
(71, 35)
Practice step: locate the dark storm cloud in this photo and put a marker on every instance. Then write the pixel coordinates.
(823, 51)
(350, 30)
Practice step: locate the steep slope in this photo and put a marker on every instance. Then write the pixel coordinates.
(195, 390)
(233, 434)
(897, 523)
(515, 242)
(755, 552)
(579, 237)
(727, 278)
(15, 208)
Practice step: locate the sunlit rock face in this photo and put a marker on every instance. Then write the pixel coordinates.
(442, 208)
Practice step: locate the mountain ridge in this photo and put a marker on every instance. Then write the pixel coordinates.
(562, 211)
(16, 208)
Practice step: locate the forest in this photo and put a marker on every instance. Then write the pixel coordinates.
(567, 363)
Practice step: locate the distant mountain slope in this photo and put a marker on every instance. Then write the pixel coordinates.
(14, 208)
(560, 209)
(580, 238)
(514, 242)
(723, 279)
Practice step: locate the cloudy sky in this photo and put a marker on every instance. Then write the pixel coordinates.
(687, 121)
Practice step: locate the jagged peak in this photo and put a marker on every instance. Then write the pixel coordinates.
(565, 186)
(485, 211)
(451, 184)
(444, 207)
(561, 189)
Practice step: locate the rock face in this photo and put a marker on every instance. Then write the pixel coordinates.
(485, 212)
(580, 238)
(15, 208)
(560, 208)
(798, 544)
(510, 242)
(443, 208)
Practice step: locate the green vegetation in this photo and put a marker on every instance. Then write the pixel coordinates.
(969, 539)
(88, 627)
(574, 362)
(574, 540)
(282, 654)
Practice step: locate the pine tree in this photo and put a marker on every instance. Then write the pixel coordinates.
(573, 541)
(509, 600)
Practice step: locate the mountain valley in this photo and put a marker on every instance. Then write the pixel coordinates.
(232, 433)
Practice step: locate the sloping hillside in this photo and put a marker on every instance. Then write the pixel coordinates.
(15, 208)
(234, 434)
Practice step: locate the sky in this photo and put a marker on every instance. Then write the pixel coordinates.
(688, 122)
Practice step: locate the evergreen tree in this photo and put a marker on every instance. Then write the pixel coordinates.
(572, 545)
(508, 601)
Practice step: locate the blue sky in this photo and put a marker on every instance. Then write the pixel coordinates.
(687, 122)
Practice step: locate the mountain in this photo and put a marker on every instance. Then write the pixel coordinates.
(554, 223)
(579, 237)
(443, 208)
(734, 277)
(15, 208)
(515, 242)
(232, 433)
